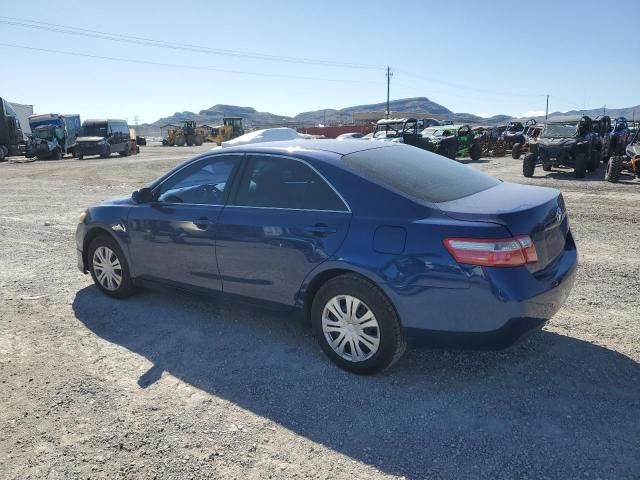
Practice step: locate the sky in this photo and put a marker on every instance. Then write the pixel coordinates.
(486, 58)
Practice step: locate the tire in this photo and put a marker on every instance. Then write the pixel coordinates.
(593, 160)
(580, 166)
(80, 157)
(198, 140)
(475, 152)
(614, 169)
(2, 156)
(56, 154)
(546, 167)
(108, 249)
(515, 151)
(451, 151)
(125, 152)
(387, 329)
(180, 141)
(529, 164)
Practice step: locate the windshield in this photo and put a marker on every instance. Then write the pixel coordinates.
(388, 130)
(514, 127)
(419, 174)
(436, 132)
(94, 130)
(560, 130)
(43, 132)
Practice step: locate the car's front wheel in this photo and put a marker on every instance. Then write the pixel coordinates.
(109, 269)
(356, 325)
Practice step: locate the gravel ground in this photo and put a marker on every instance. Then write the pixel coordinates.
(165, 385)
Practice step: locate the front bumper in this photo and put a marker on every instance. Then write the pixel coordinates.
(92, 149)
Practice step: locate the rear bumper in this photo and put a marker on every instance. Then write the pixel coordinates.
(501, 306)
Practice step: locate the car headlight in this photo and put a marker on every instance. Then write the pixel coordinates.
(82, 216)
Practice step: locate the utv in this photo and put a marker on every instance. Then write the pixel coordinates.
(531, 136)
(602, 128)
(490, 142)
(630, 162)
(564, 141)
(516, 132)
(446, 140)
(451, 141)
(620, 136)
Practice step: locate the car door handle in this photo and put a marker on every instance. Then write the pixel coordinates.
(320, 230)
(203, 223)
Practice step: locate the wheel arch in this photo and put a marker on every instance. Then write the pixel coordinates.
(316, 279)
(96, 231)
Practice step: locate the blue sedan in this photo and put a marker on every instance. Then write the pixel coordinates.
(377, 243)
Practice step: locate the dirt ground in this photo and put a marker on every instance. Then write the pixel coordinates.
(170, 386)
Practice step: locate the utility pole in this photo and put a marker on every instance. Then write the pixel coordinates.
(604, 109)
(389, 75)
(546, 112)
(135, 120)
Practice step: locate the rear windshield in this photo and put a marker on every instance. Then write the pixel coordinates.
(419, 174)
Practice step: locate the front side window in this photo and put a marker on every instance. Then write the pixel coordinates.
(205, 183)
(277, 182)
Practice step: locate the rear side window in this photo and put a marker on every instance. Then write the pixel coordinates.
(277, 182)
(419, 174)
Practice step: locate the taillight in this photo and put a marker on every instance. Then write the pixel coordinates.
(503, 252)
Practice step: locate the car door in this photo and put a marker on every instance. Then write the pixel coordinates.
(283, 220)
(172, 237)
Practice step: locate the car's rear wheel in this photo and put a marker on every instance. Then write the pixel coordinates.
(356, 325)
(529, 164)
(475, 152)
(109, 269)
(515, 151)
(580, 166)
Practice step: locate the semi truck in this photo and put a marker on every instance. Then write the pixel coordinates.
(52, 136)
(11, 137)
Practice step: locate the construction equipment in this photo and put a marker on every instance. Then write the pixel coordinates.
(231, 128)
(185, 134)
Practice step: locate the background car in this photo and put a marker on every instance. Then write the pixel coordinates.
(350, 136)
(375, 242)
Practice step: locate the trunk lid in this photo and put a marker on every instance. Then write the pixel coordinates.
(524, 210)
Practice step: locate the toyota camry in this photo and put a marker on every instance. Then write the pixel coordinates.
(377, 243)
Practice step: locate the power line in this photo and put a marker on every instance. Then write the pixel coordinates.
(469, 88)
(68, 30)
(190, 67)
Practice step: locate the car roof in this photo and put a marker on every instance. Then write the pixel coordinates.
(565, 119)
(340, 147)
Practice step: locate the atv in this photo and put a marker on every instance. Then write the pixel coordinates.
(630, 161)
(531, 136)
(564, 142)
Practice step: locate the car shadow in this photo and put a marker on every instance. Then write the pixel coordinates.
(451, 414)
(468, 161)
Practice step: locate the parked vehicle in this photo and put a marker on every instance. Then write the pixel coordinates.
(103, 137)
(52, 136)
(602, 128)
(515, 132)
(446, 140)
(531, 135)
(375, 242)
(629, 162)
(451, 141)
(620, 136)
(11, 136)
(350, 136)
(490, 140)
(564, 142)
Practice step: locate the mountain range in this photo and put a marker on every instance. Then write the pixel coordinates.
(422, 105)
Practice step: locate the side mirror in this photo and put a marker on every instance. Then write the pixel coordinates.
(144, 195)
